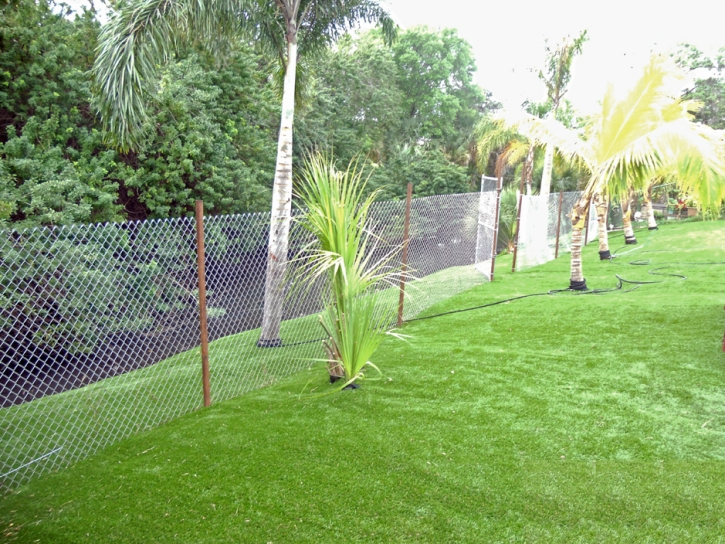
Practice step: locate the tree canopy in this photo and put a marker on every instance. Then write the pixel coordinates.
(386, 104)
(215, 125)
(709, 83)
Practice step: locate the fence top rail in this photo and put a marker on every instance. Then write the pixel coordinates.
(139, 223)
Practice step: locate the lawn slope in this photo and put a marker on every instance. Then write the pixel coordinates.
(556, 418)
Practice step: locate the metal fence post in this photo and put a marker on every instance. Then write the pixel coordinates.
(406, 239)
(558, 225)
(499, 186)
(202, 303)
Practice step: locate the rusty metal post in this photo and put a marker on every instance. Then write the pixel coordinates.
(404, 260)
(558, 225)
(499, 186)
(202, 302)
(524, 173)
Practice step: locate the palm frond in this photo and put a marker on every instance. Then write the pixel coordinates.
(140, 37)
(492, 135)
(647, 133)
(650, 102)
(324, 22)
(552, 132)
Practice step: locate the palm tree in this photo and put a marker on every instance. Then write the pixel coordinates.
(556, 79)
(601, 204)
(632, 140)
(493, 135)
(627, 206)
(649, 212)
(145, 33)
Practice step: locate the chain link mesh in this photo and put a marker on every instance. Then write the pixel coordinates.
(100, 323)
(537, 245)
(486, 226)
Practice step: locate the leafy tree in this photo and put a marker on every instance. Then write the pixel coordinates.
(214, 141)
(211, 136)
(40, 183)
(144, 34)
(51, 168)
(436, 77)
(428, 169)
(361, 106)
(357, 104)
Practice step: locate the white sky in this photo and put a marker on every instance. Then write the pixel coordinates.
(507, 38)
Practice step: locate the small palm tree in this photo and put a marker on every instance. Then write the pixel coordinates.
(632, 140)
(357, 316)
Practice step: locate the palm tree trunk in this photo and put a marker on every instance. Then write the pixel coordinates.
(529, 165)
(602, 206)
(578, 221)
(651, 221)
(546, 175)
(629, 237)
(281, 209)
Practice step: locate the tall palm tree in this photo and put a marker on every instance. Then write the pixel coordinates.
(556, 79)
(144, 34)
(632, 140)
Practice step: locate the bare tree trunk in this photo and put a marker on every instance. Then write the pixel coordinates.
(601, 203)
(546, 175)
(651, 221)
(578, 221)
(281, 210)
(629, 237)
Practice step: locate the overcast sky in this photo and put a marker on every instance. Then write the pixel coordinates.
(508, 38)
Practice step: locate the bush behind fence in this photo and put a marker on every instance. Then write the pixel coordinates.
(100, 324)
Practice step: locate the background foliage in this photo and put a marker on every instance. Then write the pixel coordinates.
(406, 111)
(709, 83)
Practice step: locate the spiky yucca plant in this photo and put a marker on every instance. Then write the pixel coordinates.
(356, 318)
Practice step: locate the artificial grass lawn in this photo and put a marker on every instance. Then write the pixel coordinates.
(116, 407)
(555, 418)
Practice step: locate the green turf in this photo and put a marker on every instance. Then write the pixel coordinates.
(69, 425)
(564, 418)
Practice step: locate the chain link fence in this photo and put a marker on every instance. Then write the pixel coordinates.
(540, 221)
(100, 323)
(487, 226)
